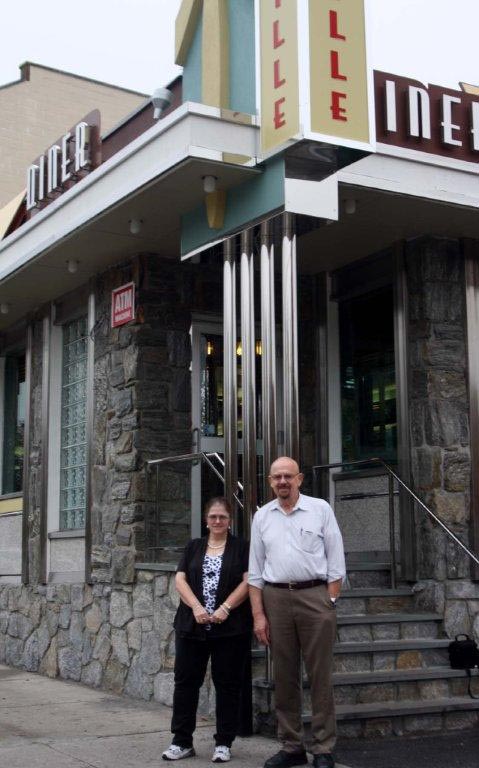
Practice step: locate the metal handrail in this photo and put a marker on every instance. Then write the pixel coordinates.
(200, 456)
(392, 475)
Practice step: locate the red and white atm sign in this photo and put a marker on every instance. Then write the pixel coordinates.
(122, 305)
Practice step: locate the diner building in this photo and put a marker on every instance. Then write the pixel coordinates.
(277, 255)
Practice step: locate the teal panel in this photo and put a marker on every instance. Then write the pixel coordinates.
(245, 203)
(242, 56)
(192, 69)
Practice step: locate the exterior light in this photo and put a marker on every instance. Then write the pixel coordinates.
(239, 349)
(350, 205)
(209, 348)
(72, 266)
(209, 184)
(4, 308)
(161, 99)
(259, 348)
(135, 226)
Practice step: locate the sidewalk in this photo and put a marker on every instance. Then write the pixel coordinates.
(57, 724)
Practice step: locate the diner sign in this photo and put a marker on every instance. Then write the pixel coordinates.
(314, 80)
(279, 72)
(66, 161)
(426, 118)
(338, 70)
(122, 305)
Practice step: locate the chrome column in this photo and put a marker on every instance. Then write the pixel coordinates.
(230, 393)
(268, 357)
(248, 378)
(290, 339)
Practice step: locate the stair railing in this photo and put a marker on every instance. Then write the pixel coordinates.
(393, 476)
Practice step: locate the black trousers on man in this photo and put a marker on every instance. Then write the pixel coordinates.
(228, 656)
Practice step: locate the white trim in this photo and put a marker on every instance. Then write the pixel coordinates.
(418, 156)
(187, 132)
(413, 179)
(54, 434)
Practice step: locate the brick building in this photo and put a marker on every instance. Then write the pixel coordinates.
(41, 106)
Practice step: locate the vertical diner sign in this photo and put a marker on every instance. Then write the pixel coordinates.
(338, 70)
(279, 72)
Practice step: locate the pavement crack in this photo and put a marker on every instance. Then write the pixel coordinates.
(72, 757)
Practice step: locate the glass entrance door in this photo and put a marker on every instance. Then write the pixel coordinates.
(368, 376)
(207, 412)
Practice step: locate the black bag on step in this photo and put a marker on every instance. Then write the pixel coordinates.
(464, 654)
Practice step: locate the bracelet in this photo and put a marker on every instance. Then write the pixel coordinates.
(225, 609)
(229, 607)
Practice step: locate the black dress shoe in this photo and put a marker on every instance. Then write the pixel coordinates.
(323, 761)
(283, 759)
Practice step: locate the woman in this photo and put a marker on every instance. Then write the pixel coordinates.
(213, 620)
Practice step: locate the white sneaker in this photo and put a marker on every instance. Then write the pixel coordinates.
(221, 755)
(174, 752)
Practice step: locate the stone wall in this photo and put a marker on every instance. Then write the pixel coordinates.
(117, 638)
(143, 411)
(439, 427)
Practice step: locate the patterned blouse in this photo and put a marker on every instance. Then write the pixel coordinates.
(211, 578)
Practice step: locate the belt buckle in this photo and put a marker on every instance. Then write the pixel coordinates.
(292, 584)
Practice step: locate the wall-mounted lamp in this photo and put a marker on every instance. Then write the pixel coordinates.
(350, 205)
(72, 266)
(239, 349)
(4, 308)
(161, 99)
(135, 226)
(209, 184)
(209, 348)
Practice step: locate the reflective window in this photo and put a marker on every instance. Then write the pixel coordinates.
(73, 426)
(14, 424)
(368, 380)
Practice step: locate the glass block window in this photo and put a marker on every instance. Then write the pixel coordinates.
(73, 426)
(13, 424)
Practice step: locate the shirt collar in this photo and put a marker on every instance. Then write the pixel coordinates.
(300, 505)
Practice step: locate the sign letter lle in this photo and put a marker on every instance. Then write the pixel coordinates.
(279, 72)
(338, 69)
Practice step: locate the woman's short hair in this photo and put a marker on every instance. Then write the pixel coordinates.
(223, 501)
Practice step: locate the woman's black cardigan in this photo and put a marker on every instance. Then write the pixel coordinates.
(234, 565)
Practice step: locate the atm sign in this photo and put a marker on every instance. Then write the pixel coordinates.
(122, 305)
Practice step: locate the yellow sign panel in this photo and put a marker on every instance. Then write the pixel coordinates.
(338, 72)
(279, 72)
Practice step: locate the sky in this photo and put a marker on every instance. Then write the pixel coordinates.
(130, 43)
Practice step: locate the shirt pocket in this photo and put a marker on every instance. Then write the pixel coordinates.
(310, 541)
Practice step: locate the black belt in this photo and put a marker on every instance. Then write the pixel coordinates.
(296, 584)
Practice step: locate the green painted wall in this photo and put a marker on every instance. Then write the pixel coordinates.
(242, 56)
(192, 68)
(245, 203)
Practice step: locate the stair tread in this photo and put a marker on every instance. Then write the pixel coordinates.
(397, 675)
(413, 644)
(406, 707)
(377, 592)
(385, 618)
(383, 676)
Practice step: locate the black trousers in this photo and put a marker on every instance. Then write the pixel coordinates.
(228, 657)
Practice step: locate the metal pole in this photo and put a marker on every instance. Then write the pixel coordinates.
(230, 392)
(268, 354)
(290, 339)
(26, 453)
(392, 531)
(248, 377)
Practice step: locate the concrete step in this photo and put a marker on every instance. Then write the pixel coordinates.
(375, 600)
(387, 626)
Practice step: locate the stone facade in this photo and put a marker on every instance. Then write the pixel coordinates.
(439, 428)
(143, 411)
(117, 638)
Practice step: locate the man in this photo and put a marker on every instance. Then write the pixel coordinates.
(296, 569)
